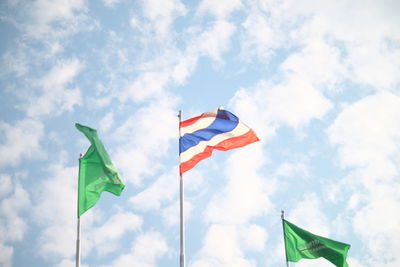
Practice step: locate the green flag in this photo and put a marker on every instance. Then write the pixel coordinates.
(96, 172)
(301, 244)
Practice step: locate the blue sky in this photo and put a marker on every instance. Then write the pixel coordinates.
(317, 80)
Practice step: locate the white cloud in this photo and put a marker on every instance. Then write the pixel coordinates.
(318, 62)
(148, 85)
(184, 67)
(55, 211)
(364, 30)
(221, 247)
(66, 263)
(288, 169)
(164, 189)
(171, 66)
(43, 28)
(148, 247)
(161, 14)
(155, 9)
(55, 98)
(364, 59)
(254, 237)
(221, 9)
(16, 61)
(367, 131)
(157, 75)
(245, 195)
(321, 262)
(341, 39)
(353, 262)
(162, 195)
(107, 122)
(43, 14)
(355, 201)
(229, 211)
(259, 38)
(13, 225)
(69, 263)
(62, 73)
(308, 214)
(294, 102)
(5, 185)
(47, 11)
(266, 28)
(367, 136)
(375, 19)
(377, 223)
(110, 3)
(147, 136)
(6, 255)
(215, 41)
(171, 213)
(105, 237)
(356, 21)
(145, 252)
(21, 141)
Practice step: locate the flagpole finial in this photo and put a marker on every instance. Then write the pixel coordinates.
(282, 214)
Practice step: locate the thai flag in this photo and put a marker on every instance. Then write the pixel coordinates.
(218, 129)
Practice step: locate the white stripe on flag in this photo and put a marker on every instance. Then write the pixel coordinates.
(198, 125)
(191, 152)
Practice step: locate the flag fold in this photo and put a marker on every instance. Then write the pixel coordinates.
(96, 172)
(301, 244)
(218, 129)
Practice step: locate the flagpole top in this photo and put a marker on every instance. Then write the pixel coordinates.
(282, 214)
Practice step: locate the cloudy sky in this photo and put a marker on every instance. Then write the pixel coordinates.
(318, 81)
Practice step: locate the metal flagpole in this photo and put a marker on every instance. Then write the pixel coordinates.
(77, 243)
(182, 226)
(283, 227)
(78, 227)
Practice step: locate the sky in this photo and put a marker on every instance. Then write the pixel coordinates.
(318, 81)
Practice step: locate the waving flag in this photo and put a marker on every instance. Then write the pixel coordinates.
(96, 172)
(301, 244)
(218, 129)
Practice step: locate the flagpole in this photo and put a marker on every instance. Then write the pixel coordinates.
(77, 243)
(181, 198)
(78, 227)
(283, 227)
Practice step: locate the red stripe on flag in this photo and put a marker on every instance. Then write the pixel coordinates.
(190, 121)
(227, 144)
(195, 119)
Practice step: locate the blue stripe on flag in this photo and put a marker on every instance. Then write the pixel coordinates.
(224, 122)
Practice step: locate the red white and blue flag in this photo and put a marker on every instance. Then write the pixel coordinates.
(218, 129)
